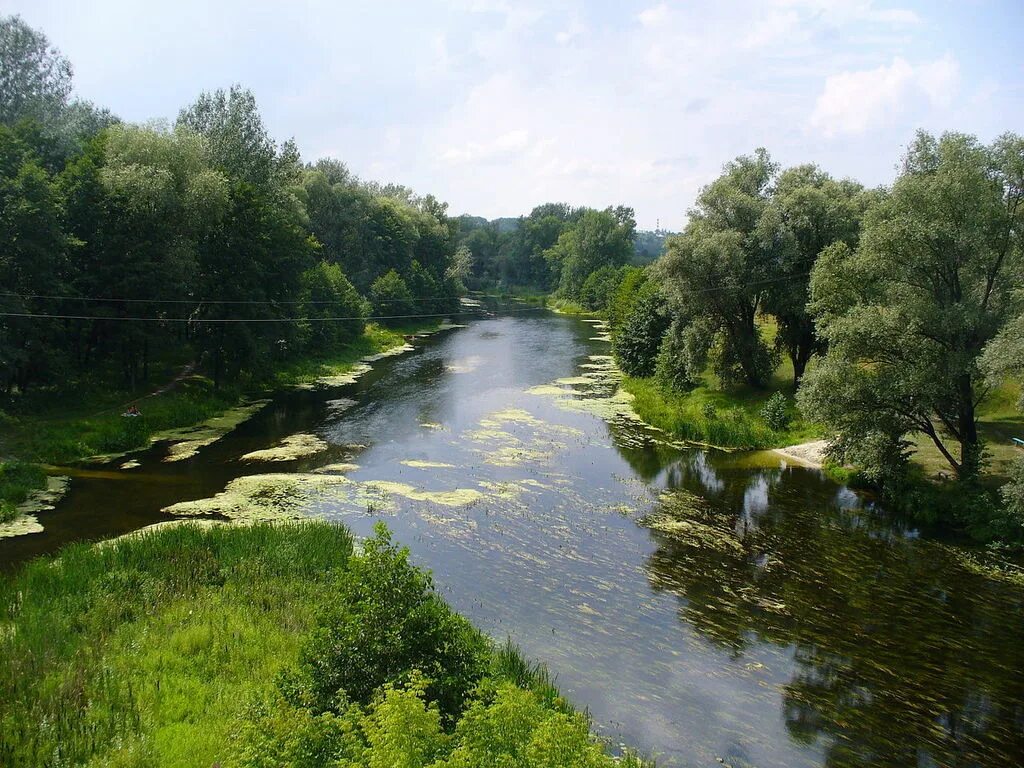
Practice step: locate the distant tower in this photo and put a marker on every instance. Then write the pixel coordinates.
(657, 226)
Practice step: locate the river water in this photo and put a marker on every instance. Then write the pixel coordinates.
(781, 621)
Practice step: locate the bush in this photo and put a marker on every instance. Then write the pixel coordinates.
(387, 621)
(390, 296)
(637, 342)
(326, 292)
(776, 412)
(599, 288)
(681, 357)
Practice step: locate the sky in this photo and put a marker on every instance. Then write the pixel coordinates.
(499, 106)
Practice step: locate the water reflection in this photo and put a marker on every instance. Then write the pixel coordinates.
(901, 656)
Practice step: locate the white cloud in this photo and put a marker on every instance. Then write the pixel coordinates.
(654, 15)
(503, 146)
(855, 102)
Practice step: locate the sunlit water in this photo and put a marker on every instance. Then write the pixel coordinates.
(817, 634)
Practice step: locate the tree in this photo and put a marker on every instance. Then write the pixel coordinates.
(715, 273)
(327, 293)
(908, 313)
(808, 211)
(598, 239)
(35, 79)
(637, 343)
(238, 141)
(390, 297)
(33, 261)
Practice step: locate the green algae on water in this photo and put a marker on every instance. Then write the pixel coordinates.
(39, 500)
(290, 449)
(186, 442)
(417, 464)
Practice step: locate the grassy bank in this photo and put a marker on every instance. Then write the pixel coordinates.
(65, 426)
(260, 646)
(729, 418)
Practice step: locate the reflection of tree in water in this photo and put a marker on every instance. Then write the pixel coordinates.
(904, 658)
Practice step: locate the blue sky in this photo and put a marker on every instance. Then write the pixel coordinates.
(497, 106)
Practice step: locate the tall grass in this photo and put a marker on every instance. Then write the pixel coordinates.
(728, 419)
(17, 480)
(152, 640)
(186, 645)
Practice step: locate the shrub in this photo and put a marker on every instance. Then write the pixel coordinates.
(390, 296)
(681, 357)
(776, 412)
(387, 621)
(637, 342)
(326, 292)
(17, 480)
(599, 288)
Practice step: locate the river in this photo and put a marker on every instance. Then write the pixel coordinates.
(787, 622)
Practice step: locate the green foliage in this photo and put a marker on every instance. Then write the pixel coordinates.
(776, 412)
(17, 480)
(327, 293)
(387, 621)
(597, 239)
(147, 647)
(627, 294)
(680, 361)
(637, 342)
(729, 419)
(390, 298)
(715, 273)
(599, 288)
(908, 313)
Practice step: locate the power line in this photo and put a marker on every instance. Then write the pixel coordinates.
(476, 313)
(13, 294)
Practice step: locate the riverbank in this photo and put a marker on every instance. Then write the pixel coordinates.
(719, 418)
(67, 427)
(238, 646)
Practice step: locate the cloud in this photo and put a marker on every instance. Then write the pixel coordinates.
(503, 146)
(855, 102)
(654, 15)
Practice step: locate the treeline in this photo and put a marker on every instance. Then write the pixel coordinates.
(556, 249)
(899, 307)
(119, 241)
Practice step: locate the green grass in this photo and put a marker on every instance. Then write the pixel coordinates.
(17, 480)
(726, 418)
(999, 420)
(195, 646)
(62, 427)
(567, 307)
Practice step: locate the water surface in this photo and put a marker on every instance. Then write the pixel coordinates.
(808, 631)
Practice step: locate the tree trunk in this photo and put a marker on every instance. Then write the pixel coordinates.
(967, 426)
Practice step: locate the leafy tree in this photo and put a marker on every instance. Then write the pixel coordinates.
(327, 293)
(386, 621)
(33, 261)
(599, 287)
(715, 273)
(239, 143)
(627, 293)
(35, 79)
(598, 239)
(637, 343)
(391, 297)
(908, 313)
(808, 211)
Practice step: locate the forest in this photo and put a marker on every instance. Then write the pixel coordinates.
(897, 311)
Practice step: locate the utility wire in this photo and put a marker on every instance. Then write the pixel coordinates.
(16, 295)
(12, 294)
(476, 313)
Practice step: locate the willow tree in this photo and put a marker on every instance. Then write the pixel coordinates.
(714, 274)
(808, 211)
(908, 313)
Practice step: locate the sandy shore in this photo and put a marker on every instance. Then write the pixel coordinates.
(810, 454)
